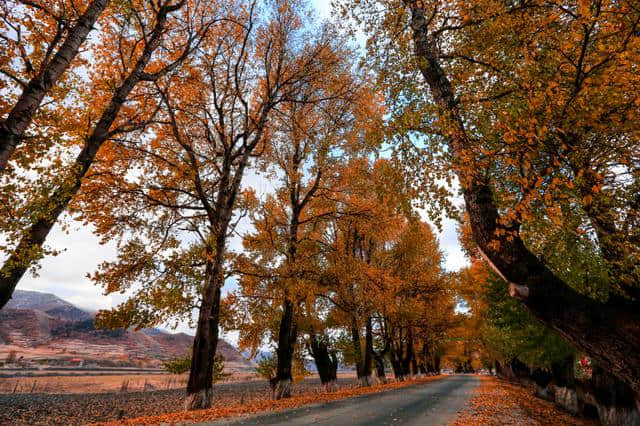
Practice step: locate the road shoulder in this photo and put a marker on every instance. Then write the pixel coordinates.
(497, 402)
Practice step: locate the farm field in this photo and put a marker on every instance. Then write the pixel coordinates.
(90, 383)
(77, 403)
(99, 381)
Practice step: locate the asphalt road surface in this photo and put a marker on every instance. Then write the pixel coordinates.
(431, 403)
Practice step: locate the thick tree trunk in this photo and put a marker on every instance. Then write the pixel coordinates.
(436, 363)
(287, 337)
(542, 384)
(326, 362)
(609, 332)
(380, 373)
(363, 359)
(408, 353)
(368, 353)
(13, 128)
(396, 355)
(431, 360)
(29, 250)
(396, 366)
(565, 386)
(415, 372)
(205, 342)
(616, 402)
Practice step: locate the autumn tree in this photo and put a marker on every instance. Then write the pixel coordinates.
(370, 216)
(416, 306)
(142, 42)
(384, 276)
(186, 199)
(530, 104)
(309, 142)
(40, 40)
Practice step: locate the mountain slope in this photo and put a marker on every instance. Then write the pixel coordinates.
(41, 328)
(47, 303)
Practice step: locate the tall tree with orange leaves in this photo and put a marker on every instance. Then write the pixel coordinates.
(147, 41)
(40, 41)
(216, 119)
(532, 105)
(309, 143)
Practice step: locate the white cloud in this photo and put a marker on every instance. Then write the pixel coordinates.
(65, 274)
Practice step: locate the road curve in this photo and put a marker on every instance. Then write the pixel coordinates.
(430, 403)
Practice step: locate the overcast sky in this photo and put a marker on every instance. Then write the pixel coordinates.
(65, 275)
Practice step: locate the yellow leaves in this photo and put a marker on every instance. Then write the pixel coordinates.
(587, 200)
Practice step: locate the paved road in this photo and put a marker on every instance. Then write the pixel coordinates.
(432, 403)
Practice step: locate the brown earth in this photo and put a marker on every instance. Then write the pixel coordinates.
(42, 329)
(81, 408)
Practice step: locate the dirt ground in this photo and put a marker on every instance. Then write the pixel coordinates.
(82, 407)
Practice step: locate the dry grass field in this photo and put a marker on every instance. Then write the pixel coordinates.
(80, 384)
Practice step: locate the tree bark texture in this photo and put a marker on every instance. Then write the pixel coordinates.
(205, 342)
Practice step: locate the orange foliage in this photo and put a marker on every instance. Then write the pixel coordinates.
(497, 403)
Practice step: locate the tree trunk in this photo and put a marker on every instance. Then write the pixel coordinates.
(368, 353)
(396, 366)
(609, 332)
(200, 385)
(616, 402)
(396, 356)
(380, 373)
(363, 361)
(326, 362)
(542, 384)
(287, 337)
(13, 128)
(415, 372)
(205, 342)
(408, 353)
(29, 250)
(565, 386)
(436, 362)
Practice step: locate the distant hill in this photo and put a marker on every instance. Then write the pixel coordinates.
(41, 328)
(48, 303)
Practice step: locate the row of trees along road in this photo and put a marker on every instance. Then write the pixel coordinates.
(533, 106)
(368, 274)
(141, 117)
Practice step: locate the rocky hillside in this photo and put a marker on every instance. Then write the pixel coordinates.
(42, 329)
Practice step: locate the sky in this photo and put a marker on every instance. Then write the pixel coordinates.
(65, 275)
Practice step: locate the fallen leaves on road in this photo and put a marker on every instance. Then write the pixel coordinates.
(264, 405)
(497, 402)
